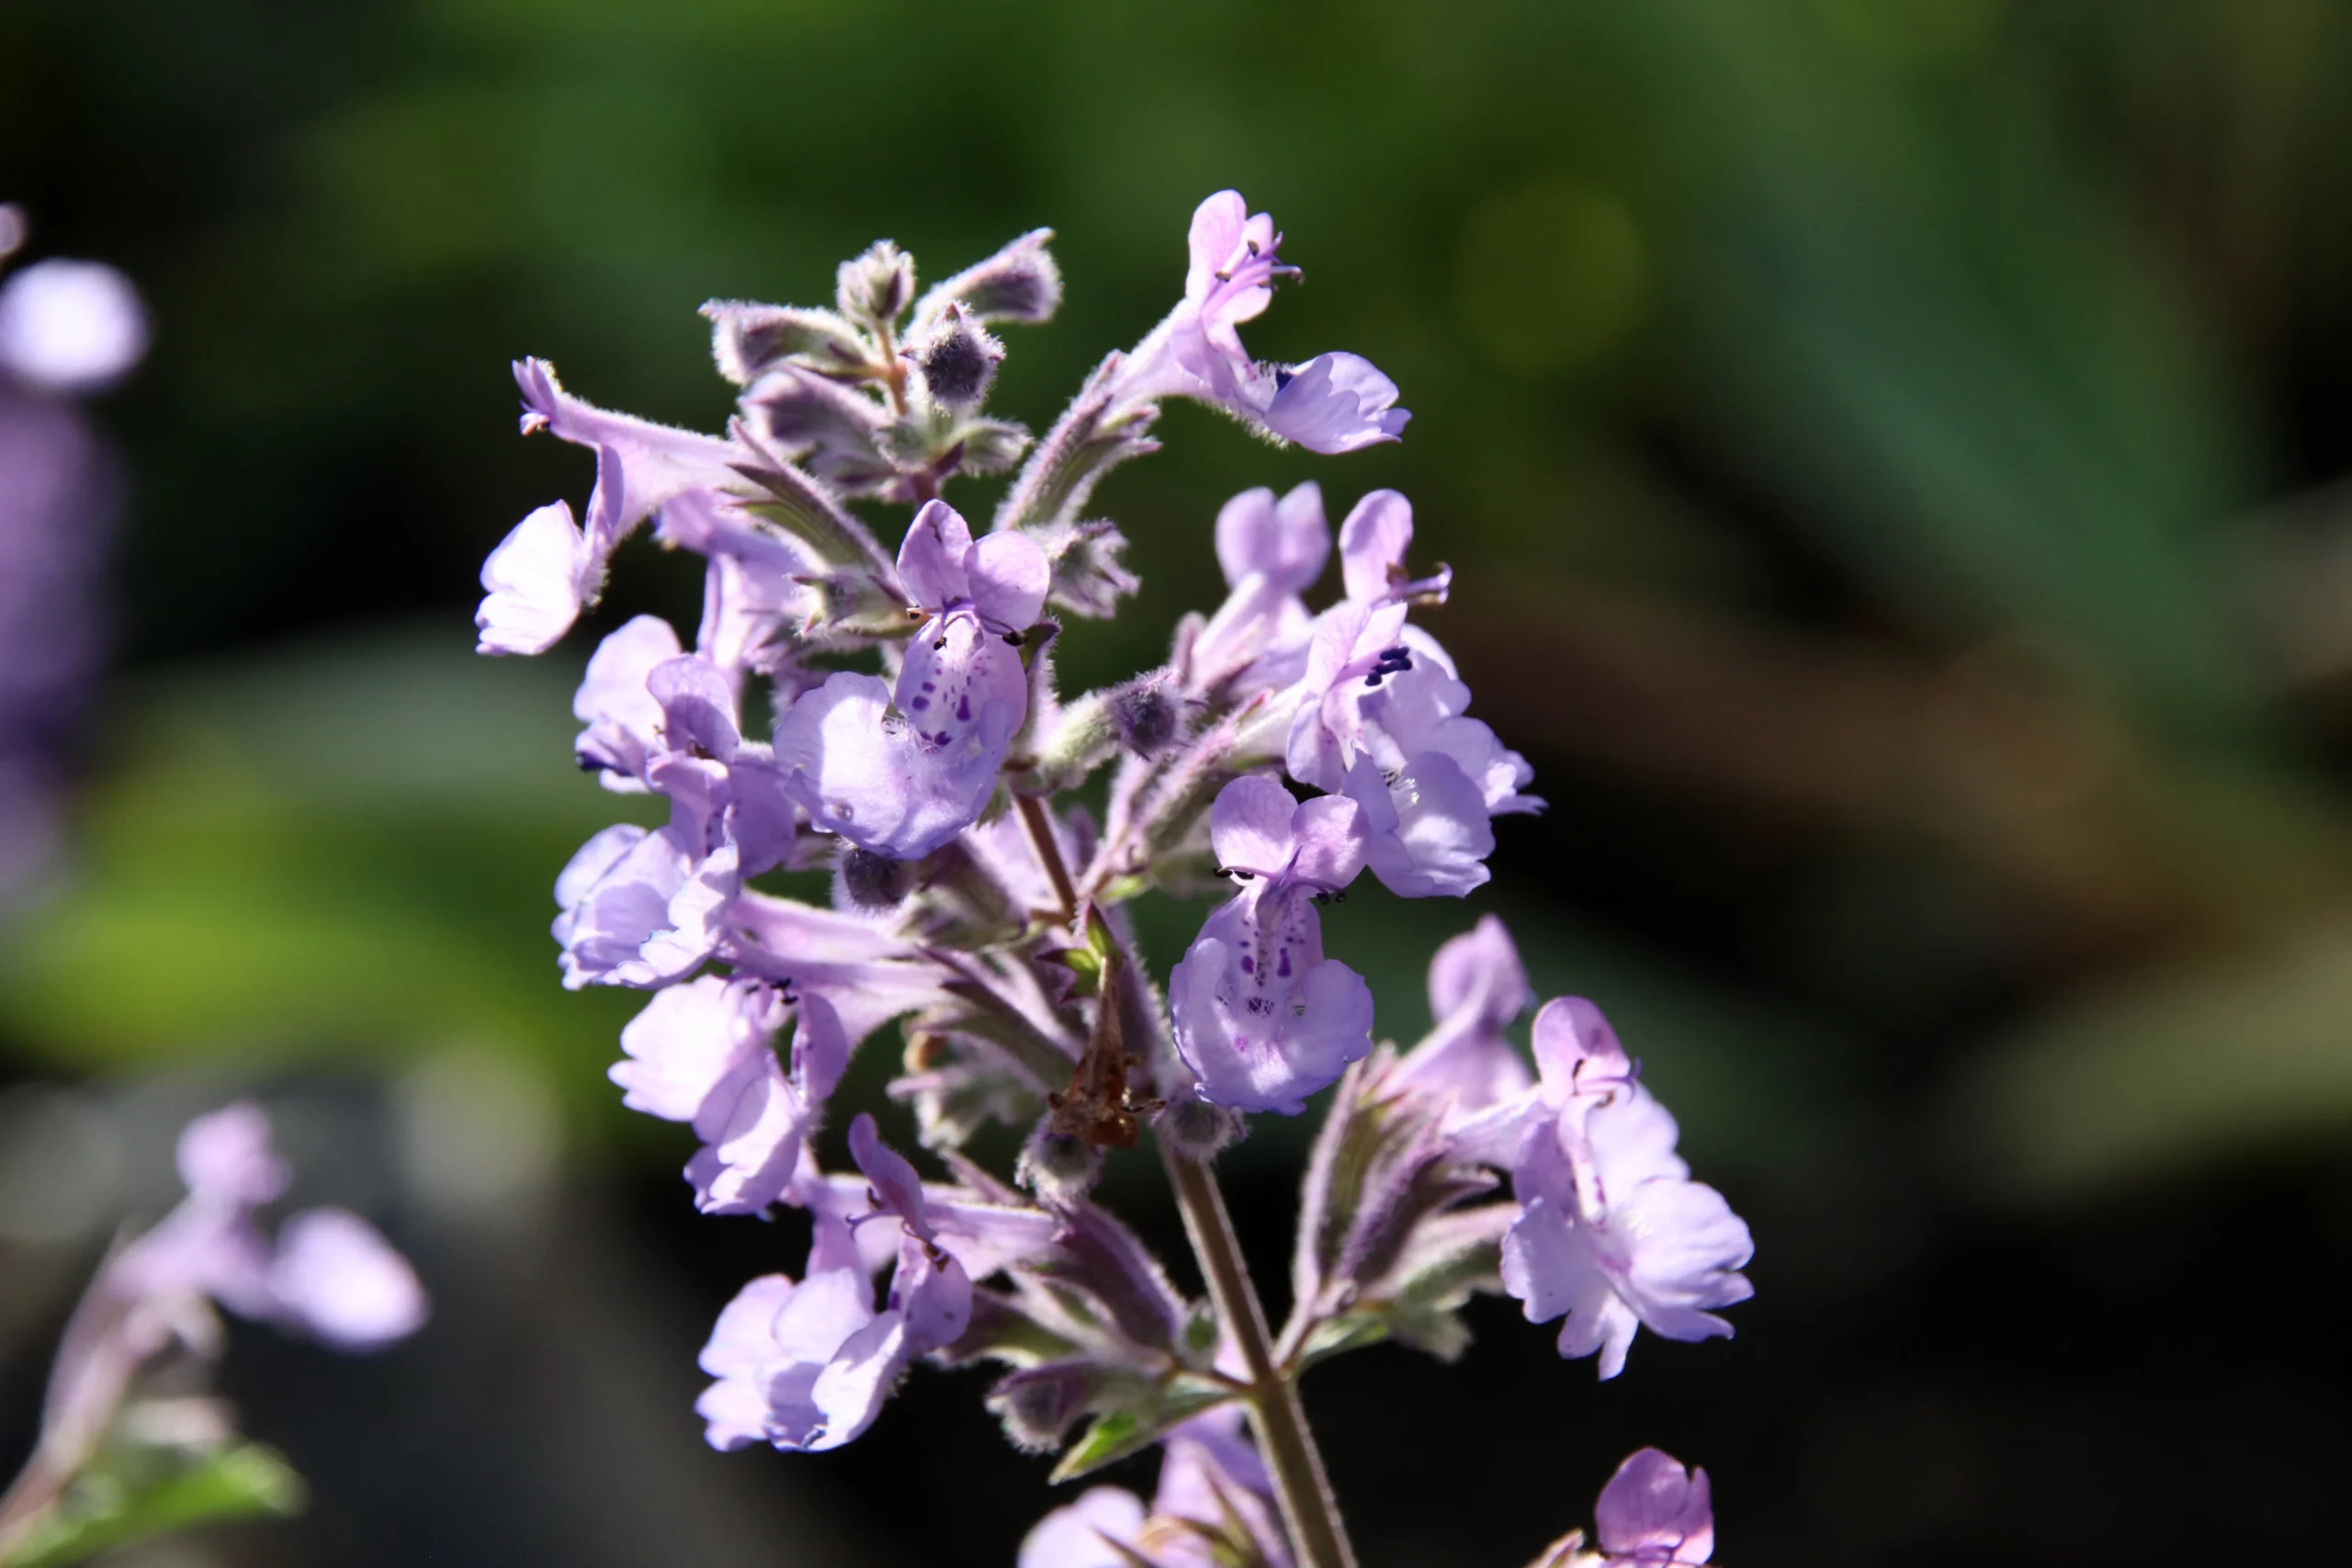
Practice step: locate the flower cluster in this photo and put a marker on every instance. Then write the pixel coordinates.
(328, 1275)
(921, 752)
(68, 329)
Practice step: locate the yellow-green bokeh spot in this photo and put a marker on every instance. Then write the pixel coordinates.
(1551, 275)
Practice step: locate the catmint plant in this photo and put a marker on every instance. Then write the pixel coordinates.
(923, 750)
(128, 1443)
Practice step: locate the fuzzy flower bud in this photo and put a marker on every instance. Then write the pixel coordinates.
(864, 880)
(1057, 1166)
(1146, 717)
(1199, 1130)
(876, 287)
(958, 360)
(1020, 283)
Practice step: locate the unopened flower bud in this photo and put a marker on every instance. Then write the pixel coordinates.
(1020, 283)
(1057, 1166)
(1199, 1130)
(1038, 1403)
(1146, 716)
(958, 360)
(864, 880)
(875, 287)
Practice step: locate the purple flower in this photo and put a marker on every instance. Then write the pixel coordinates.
(543, 572)
(1379, 715)
(900, 774)
(1271, 552)
(1334, 402)
(1426, 827)
(808, 1366)
(535, 581)
(1613, 1231)
(701, 1052)
(624, 719)
(644, 909)
(616, 896)
(1260, 1015)
(1655, 1513)
(1478, 988)
(330, 1275)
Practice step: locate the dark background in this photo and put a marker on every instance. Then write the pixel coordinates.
(1888, 450)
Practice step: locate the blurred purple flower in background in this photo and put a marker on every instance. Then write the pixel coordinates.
(68, 329)
(329, 1275)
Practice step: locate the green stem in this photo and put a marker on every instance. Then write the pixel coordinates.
(1310, 1510)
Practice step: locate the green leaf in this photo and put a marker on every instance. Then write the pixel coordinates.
(103, 1510)
(1110, 1439)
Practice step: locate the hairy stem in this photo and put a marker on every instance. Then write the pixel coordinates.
(1040, 829)
(1310, 1510)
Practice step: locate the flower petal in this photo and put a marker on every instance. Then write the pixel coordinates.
(536, 579)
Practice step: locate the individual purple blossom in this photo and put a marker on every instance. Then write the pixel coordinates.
(329, 1275)
(1477, 986)
(542, 574)
(1613, 1232)
(899, 772)
(1378, 716)
(644, 907)
(808, 1365)
(1334, 402)
(1655, 1513)
(614, 897)
(702, 1052)
(1260, 1016)
(1271, 552)
(623, 717)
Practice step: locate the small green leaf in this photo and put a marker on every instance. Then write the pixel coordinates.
(1110, 1439)
(103, 1510)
